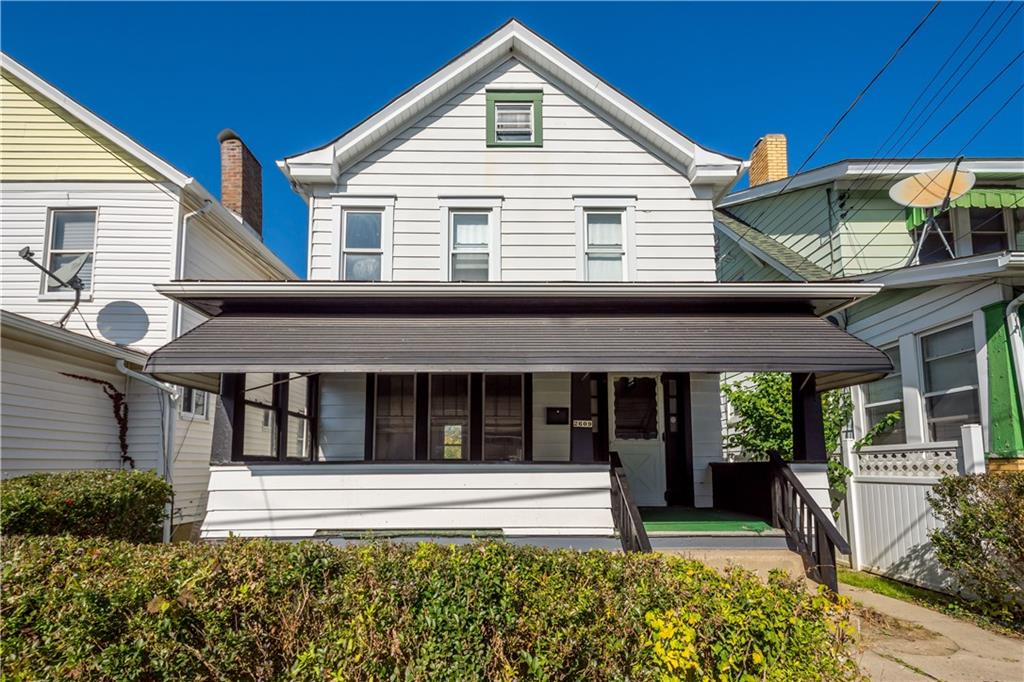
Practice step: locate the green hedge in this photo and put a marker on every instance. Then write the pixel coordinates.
(982, 541)
(120, 505)
(256, 610)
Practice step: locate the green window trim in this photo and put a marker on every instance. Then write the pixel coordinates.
(977, 198)
(535, 97)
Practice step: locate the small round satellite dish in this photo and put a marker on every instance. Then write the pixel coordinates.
(70, 269)
(123, 322)
(928, 190)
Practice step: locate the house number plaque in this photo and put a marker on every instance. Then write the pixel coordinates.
(582, 423)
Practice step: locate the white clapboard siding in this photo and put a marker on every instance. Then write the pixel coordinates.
(190, 458)
(706, 418)
(135, 229)
(444, 154)
(798, 220)
(34, 390)
(516, 499)
(550, 441)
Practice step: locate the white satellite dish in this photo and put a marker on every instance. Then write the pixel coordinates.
(932, 189)
(69, 271)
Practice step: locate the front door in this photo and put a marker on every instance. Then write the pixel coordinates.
(636, 418)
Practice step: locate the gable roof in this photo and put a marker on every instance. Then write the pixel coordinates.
(512, 39)
(884, 169)
(775, 254)
(224, 221)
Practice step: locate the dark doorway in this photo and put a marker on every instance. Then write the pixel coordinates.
(678, 440)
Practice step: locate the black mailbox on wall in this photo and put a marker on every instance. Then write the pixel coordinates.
(557, 415)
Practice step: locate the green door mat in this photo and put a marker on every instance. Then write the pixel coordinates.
(689, 520)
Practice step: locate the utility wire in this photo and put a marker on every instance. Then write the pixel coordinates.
(891, 151)
(858, 98)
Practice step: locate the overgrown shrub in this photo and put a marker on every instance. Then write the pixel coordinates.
(120, 505)
(982, 541)
(256, 610)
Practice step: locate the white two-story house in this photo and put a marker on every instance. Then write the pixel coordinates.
(73, 186)
(511, 284)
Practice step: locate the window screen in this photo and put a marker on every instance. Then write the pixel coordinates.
(449, 416)
(395, 414)
(503, 417)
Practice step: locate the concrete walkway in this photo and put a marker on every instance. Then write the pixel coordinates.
(940, 648)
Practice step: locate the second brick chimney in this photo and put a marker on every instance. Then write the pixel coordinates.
(768, 160)
(241, 180)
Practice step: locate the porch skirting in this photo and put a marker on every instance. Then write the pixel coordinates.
(306, 500)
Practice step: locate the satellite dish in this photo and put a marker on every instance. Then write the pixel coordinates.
(932, 189)
(70, 270)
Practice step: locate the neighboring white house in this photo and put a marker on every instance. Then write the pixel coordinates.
(72, 184)
(512, 276)
(949, 321)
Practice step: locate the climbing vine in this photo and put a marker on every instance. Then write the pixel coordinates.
(120, 406)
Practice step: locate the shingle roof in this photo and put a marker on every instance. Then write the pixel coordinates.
(778, 253)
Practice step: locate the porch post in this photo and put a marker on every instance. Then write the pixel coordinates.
(808, 424)
(581, 438)
(229, 420)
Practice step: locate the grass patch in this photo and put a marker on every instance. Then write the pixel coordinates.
(937, 601)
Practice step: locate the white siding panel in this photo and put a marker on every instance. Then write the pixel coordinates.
(518, 499)
(86, 435)
(444, 154)
(706, 418)
(191, 465)
(550, 441)
(342, 417)
(134, 242)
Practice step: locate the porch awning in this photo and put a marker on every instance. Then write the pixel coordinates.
(670, 342)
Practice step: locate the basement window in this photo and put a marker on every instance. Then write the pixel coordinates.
(514, 119)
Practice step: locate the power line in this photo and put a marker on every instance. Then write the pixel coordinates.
(859, 97)
(889, 152)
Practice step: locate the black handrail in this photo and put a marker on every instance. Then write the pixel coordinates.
(625, 512)
(810, 530)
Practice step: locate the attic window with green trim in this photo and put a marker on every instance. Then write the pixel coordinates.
(514, 119)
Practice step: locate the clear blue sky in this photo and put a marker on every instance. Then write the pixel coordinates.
(288, 77)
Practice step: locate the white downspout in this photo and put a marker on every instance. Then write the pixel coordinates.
(1016, 343)
(168, 394)
(182, 253)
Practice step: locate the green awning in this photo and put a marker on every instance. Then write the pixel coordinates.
(976, 198)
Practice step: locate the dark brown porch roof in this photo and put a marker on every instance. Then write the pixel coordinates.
(670, 342)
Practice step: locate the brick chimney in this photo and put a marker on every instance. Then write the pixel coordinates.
(241, 180)
(768, 160)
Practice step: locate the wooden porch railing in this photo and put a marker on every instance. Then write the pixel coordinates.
(808, 528)
(625, 512)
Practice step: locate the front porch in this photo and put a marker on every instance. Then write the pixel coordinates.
(546, 411)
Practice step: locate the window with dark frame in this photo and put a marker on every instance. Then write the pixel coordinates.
(503, 417)
(932, 248)
(278, 424)
(989, 232)
(449, 417)
(636, 408)
(395, 418)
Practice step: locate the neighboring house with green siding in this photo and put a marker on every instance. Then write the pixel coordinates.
(949, 321)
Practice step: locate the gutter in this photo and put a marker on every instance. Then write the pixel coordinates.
(166, 396)
(1016, 343)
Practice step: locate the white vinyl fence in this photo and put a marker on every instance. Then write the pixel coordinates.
(887, 516)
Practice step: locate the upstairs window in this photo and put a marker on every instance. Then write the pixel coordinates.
(514, 119)
(362, 253)
(932, 248)
(470, 232)
(72, 234)
(605, 250)
(991, 229)
(950, 381)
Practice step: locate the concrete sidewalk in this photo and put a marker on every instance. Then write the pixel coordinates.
(940, 648)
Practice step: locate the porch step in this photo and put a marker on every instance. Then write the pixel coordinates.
(759, 561)
(773, 538)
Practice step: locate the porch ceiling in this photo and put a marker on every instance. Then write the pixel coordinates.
(676, 342)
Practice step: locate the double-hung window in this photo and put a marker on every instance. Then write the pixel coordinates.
(72, 235)
(884, 397)
(363, 252)
(277, 417)
(933, 250)
(605, 246)
(193, 404)
(449, 416)
(470, 239)
(950, 381)
(514, 119)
